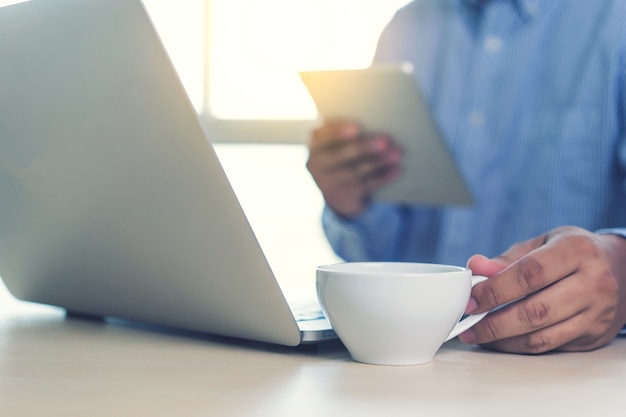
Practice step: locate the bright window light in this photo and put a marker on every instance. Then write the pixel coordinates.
(257, 48)
(239, 59)
(181, 26)
(9, 2)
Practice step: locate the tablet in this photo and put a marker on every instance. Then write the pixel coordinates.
(386, 99)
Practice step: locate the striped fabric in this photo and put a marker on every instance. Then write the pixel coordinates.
(531, 97)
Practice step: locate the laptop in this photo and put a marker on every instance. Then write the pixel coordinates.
(113, 202)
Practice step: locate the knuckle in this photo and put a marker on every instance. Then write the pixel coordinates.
(587, 343)
(536, 343)
(530, 275)
(490, 293)
(606, 283)
(533, 315)
(491, 330)
(607, 319)
(584, 245)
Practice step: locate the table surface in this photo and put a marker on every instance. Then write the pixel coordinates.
(54, 366)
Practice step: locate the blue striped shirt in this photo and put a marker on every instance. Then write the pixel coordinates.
(531, 98)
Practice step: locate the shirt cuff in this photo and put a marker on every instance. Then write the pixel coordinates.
(361, 238)
(619, 231)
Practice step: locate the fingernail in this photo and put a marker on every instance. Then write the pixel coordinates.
(477, 256)
(472, 305)
(468, 336)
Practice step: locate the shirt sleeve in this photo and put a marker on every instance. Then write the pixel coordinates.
(622, 113)
(385, 232)
(621, 145)
(370, 236)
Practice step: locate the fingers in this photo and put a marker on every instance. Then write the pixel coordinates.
(349, 166)
(341, 147)
(546, 339)
(566, 336)
(335, 144)
(536, 270)
(365, 159)
(565, 291)
(481, 265)
(534, 324)
(333, 133)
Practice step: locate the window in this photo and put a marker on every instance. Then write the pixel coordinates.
(239, 59)
(257, 48)
(8, 2)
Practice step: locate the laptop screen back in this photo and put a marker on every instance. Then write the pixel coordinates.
(113, 201)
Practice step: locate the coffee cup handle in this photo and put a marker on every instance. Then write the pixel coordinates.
(470, 320)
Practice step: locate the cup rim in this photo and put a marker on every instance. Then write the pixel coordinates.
(374, 267)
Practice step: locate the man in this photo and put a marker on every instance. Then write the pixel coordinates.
(531, 98)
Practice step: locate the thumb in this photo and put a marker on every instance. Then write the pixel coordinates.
(481, 265)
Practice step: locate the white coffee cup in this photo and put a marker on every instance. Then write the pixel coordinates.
(395, 313)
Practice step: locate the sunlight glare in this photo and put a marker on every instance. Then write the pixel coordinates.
(10, 2)
(181, 29)
(257, 48)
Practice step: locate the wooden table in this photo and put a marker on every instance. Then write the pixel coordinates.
(53, 366)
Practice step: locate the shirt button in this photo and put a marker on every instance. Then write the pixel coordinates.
(477, 118)
(493, 44)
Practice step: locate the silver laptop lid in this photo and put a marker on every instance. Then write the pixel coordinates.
(112, 200)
